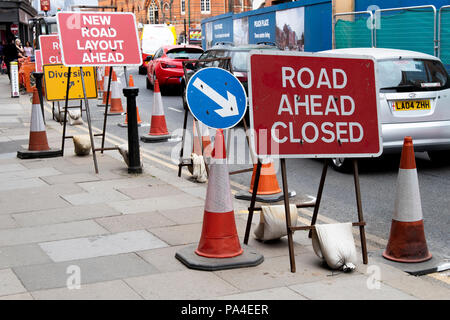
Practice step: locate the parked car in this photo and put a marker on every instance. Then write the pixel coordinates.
(239, 62)
(414, 101)
(166, 64)
(154, 36)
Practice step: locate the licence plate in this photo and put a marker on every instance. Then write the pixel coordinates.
(408, 105)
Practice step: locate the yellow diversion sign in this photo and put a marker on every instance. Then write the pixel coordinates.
(55, 78)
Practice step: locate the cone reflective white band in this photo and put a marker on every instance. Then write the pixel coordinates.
(37, 121)
(218, 194)
(408, 206)
(157, 105)
(115, 94)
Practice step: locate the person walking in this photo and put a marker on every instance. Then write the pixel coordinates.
(29, 51)
(2, 58)
(10, 54)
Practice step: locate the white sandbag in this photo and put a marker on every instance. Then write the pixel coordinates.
(75, 117)
(123, 150)
(335, 244)
(82, 145)
(272, 222)
(198, 168)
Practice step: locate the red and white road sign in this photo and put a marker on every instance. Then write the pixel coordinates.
(38, 61)
(45, 5)
(98, 38)
(14, 28)
(50, 49)
(313, 105)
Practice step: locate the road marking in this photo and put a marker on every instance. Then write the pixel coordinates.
(176, 110)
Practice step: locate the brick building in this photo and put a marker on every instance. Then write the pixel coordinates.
(180, 13)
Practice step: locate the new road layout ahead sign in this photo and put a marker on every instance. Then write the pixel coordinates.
(313, 105)
(98, 39)
(216, 98)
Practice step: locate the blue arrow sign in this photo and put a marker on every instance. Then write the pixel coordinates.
(216, 98)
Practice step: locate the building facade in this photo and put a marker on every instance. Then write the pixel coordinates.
(16, 13)
(183, 14)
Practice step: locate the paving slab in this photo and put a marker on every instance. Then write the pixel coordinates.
(60, 215)
(186, 285)
(9, 284)
(7, 185)
(11, 237)
(282, 293)
(70, 178)
(164, 258)
(21, 255)
(11, 167)
(275, 272)
(102, 245)
(353, 287)
(187, 215)
(7, 222)
(22, 296)
(94, 197)
(28, 173)
(110, 290)
(161, 203)
(149, 191)
(56, 275)
(131, 222)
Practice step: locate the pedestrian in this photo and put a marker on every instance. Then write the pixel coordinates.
(19, 48)
(10, 54)
(29, 51)
(2, 45)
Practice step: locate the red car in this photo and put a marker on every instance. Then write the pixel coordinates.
(166, 65)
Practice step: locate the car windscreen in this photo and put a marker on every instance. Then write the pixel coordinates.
(406, 75)
(184, 53)
(239, 60)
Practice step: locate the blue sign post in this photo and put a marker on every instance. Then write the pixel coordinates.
(216, 98)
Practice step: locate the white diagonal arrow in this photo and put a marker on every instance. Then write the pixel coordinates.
(229, 106)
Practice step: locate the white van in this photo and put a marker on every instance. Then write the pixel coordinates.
(153, 36)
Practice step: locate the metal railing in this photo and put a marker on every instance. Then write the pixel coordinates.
(354, 14)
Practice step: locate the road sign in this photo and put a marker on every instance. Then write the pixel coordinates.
(50, 49)
(38, 60)
(45, 5)
(55, 78)
(14, 29)
(216, 98)
(98, 39)
(314, 105)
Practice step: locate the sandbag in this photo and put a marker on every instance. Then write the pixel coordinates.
(198, 168)
(82, 145)
(334, 243)
(272, 222)
(123, 150)
(75, 117)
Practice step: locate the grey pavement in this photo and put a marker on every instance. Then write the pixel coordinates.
(116, 234)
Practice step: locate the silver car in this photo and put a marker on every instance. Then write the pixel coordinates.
(414, 101)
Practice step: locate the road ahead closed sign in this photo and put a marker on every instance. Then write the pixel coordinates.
(313, 105)
(98, 39)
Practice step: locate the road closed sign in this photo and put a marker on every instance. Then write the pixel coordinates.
(50, 50)
(98, 39)
(313, 105)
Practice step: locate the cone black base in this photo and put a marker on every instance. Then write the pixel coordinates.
(149, 138)
(25, 154)
(245, 195)
(249, 258)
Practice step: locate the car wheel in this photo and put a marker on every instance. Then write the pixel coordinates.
(341, 165)
(142, 70)
(149, 85)
(439, 156)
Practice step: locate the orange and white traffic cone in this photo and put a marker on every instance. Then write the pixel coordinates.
(407, 241)
(38, 145)
(105, 88)
(158, 126)
(116, 97)
(100, 82)
(205, 138)
(219, 241)
(139, 121)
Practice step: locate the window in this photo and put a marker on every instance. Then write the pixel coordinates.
(205, 6)
(183, 6)
(153, 13)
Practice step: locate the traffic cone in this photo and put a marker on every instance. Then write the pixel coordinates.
(268, 183)
(158, 126)
(38, 145)
(407, 241)
(116, 100)
(139, 121)
(105, 88)
(219, 237)
(206, 140)
(219, 247)
(100, 81)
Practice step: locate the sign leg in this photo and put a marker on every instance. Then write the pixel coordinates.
(88, 116)
(360, 211)
(319, 195)
(65, 111)
(106, 108)
(183, 139)
(251, 209)
(288, 215)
